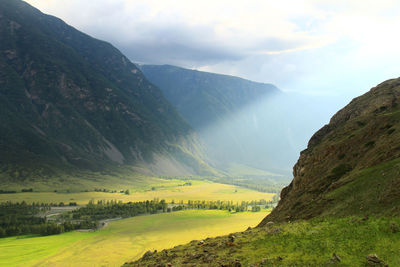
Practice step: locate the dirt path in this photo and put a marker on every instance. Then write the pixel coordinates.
(104, 223)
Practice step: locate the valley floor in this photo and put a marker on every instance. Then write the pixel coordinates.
(124, 240)
(168, 190)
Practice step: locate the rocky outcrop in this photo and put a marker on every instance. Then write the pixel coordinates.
(358, 139)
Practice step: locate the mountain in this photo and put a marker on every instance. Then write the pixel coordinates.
(243, 124)
(68, 100)
(238, 120)
(203, 97)
(351, 165)
(341, 209)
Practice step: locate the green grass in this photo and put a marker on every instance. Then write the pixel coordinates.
(123, 240)
(18, 251)
(368, 191)
(302, 243)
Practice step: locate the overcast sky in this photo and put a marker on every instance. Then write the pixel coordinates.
(334, 47)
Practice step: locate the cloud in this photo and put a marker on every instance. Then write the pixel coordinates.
(304, 46)
(222, 30)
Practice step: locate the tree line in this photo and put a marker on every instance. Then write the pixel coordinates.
(227, 205)
(113, 209)
(24, 219)
(14, 191)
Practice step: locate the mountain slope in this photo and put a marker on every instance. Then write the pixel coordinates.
(203, 97)
(69, 100)
(241, 122)
(352, 165)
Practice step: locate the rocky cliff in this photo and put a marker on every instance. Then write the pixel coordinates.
(351, 166)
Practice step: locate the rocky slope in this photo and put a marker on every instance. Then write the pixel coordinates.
(352, 165)
(70, 101)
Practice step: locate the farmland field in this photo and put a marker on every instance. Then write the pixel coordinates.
(170, 190)
(123, 240)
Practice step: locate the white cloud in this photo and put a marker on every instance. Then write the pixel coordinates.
(298, 45)
(245, 26)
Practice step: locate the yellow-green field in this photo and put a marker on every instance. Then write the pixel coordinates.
(171, 190)
(123, 240)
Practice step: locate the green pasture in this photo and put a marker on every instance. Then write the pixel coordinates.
(124, 240)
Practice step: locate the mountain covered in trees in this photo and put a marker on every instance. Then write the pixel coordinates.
(71, 101)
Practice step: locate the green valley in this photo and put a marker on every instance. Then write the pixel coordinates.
(123, 240)
(104, 162)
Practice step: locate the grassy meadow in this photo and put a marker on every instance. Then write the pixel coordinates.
(123, 240)
(163, 189)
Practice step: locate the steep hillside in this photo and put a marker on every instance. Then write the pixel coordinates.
(203, 97)
(352, 165)
(241, 122)
(70, 101)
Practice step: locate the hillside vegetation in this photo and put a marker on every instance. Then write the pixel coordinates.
(317, 242)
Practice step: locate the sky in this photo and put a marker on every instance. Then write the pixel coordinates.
(331, 48)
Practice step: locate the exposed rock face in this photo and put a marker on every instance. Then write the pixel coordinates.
(351, 164)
